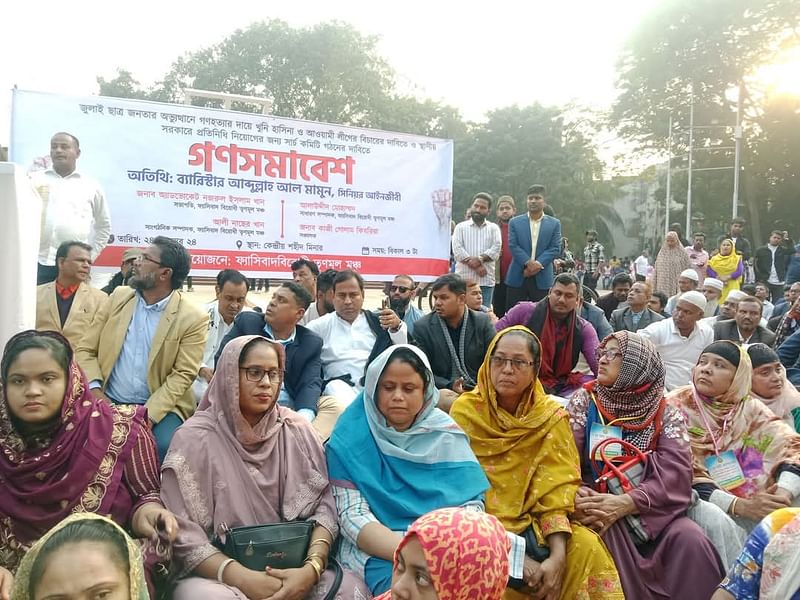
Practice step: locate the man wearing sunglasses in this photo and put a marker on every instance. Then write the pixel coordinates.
(146, 343)
(401, 300)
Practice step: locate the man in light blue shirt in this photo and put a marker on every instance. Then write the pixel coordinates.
(146, 343)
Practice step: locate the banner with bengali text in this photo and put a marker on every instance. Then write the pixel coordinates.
(252, 192)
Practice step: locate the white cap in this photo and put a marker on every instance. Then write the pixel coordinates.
(714, 283)
(690, 274)
(736, 295)
(694, 297)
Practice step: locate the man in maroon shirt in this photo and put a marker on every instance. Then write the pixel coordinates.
(505, 210)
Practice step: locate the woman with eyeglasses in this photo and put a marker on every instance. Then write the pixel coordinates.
(63, 451)
(394, 456)
(659, 553)
(242, 460)
(522, 439)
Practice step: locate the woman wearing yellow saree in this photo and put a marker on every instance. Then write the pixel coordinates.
(84, 555)
(727, 266)
(522, 439)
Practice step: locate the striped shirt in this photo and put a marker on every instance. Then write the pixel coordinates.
(469, 240)
(355, 514)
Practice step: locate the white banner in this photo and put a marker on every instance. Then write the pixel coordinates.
(253, 192)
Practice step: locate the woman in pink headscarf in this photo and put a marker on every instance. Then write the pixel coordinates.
(670, 262)
(451, 554)
(242, 460)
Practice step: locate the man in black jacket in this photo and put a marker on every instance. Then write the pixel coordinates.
(454, 337)
(771, 262)
(620, 286)
(353, 337)
(302, 383)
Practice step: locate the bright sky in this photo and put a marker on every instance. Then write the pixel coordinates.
(474, 56)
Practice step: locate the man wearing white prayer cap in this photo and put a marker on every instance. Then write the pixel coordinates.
(712, 289)
(681, 339)
(687, 281)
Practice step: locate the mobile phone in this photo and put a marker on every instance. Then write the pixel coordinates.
(384, 303)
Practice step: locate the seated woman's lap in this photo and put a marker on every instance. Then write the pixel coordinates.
(194, 588)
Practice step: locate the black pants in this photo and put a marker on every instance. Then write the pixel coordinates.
(775, 291)
(500, 299)
(590, 280)
(46, 274)
(528, 291)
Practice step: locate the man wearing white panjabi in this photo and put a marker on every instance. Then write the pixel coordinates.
(352, 337)
(73, 206)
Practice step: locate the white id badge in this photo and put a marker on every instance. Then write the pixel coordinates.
(725, 470)
(598, 433)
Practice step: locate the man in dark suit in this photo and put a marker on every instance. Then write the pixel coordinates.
(636, 315)
(745, 327)
(775, 255)
(302, 383)
(789, 353)
(454, 337)
(535, 241)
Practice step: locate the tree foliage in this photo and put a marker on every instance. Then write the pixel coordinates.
(703, 46)
(520, 146)
(328, 73)
(332, 73)
(701, 51)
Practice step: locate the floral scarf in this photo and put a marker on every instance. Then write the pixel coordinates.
(760, 441)
(466, 552)
(529, 457)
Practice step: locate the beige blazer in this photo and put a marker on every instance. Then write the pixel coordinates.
(85, 305)
(175, 354)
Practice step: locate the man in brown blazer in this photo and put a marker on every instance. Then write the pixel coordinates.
(146, 343)
(68, 304)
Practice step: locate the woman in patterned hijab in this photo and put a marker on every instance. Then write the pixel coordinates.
(627, 401)
(451, 554)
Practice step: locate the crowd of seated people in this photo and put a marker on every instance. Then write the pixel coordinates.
(439, 455)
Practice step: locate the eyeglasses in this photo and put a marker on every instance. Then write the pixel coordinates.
(609, 354)
(256, 374)
(152, 260)
(516, 363)
(400, 288)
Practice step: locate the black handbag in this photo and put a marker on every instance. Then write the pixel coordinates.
(277, 545)
(282, 545)
(538, 552)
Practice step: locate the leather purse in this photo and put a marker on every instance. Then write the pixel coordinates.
(277, 545)
(282, 545)
(619, 475)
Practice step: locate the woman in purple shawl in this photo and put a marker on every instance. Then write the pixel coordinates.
(65, 451)
(673, 559)
(243, 460)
